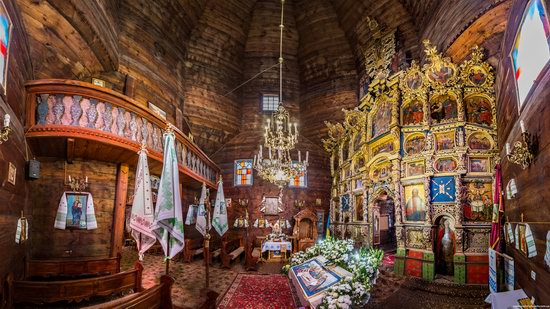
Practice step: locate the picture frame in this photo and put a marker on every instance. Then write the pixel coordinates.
(479, 165)
(157, 110)
(155, 182)
(77, 210)
(415, 202)
(4, 59)
(12, 173)
(271, 206)
(415, 168)
(98, 82)
(228, 202)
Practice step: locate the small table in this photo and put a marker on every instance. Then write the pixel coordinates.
(276, 249)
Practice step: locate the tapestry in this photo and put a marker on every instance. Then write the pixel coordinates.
(547, 255)
(314, 277)
(492, 271)
(509, 277)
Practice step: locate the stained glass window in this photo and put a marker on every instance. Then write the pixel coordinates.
(531, 49)
(5, 31)
(243, 172)
(299, 181)
(270, 102)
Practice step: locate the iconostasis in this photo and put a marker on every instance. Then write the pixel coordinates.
(413, 167)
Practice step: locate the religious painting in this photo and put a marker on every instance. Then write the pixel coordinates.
(358, 184)
(344, 202)
(441, 73)
(479, 165)
(479, 141)
(381, 172)
(314, 278)
(443, 189)
(157, 110)
(5, 38)
(12, 173)
(445, 165)
(415, 144)
(477, 75)
(384, 147)
(414, 80)
(478, 110)
(445, 246)
(443, 108)
(76, 210)
(359, 204)
(479, 201)
(382, 119)
(155, 182)
(270, 206)
(444, 140)
(415, 168)
(415, 202)
(522, 242)
(412, 113)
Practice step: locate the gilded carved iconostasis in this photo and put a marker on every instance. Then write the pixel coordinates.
(413, 165)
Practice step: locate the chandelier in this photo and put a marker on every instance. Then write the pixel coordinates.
(280, 137)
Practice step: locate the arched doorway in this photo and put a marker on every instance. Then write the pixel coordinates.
(444, 245)
(384, 222)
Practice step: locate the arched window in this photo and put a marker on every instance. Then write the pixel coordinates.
(531, 50)
(299, 181)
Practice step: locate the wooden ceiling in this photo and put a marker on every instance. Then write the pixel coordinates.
(188, 55)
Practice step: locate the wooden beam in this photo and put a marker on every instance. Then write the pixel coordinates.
(70, 150)
(119, 209)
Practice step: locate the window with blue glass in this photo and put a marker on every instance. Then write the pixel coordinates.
(270, 102)
(531, 49)
(243, 174)
(300, 181)
(5, 32)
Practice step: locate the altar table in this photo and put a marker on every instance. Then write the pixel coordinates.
(278, 250)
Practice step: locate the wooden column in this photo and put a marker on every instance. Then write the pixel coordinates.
(119, 209)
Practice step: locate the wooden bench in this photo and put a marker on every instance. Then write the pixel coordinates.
(63, 269)
(232, 248)
(215, 249)
(159, 296)
(192, 247)
(39, 292)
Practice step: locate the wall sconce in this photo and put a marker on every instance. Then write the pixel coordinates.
(299, 203)
(243, 203)
(522, 153)
(6, 130)
(78, 184)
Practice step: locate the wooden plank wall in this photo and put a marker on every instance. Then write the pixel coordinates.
(13, 198)
(532, 183)
(48, 242)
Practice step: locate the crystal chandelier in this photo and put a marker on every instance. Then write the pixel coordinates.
(280, 137)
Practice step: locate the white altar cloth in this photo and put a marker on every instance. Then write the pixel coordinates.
(276, 246)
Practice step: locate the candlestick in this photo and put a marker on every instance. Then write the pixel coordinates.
(522, 125)
(508, 150)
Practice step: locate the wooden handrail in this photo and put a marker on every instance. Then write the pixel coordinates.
(82, 90)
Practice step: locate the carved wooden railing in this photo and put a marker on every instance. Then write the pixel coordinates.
(57, 107)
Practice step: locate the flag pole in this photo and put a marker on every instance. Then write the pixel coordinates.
(167, 255)
(207, 242)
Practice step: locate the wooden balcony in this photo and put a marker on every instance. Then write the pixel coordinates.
(72, 119)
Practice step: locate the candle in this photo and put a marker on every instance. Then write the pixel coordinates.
(69, 178)
(307, 156)
(86, 179)
(6, 120)
(508, 148)
(299, 156)
(269, 152)
(522, 125)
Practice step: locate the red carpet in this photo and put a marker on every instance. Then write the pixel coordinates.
(250, 291)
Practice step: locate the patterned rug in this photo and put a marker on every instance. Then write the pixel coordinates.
(258, 292)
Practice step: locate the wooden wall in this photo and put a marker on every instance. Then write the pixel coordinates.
(48, 242)
(533, 182)
(14, 198)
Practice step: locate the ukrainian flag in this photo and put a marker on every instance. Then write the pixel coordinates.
(328, 227)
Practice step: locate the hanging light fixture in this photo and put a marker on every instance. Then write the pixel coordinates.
(280, 137)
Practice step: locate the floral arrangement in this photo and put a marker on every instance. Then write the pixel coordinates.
(276, 236)
(350, 292)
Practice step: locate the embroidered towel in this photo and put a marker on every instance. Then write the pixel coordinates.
(22, 233)
(530, 240)
(61, 216)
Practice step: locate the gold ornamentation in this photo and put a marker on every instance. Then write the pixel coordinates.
(6, 129)
(440, 71)
(522, 152)
(379, 55)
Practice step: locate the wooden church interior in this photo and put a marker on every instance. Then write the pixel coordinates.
(260, 153)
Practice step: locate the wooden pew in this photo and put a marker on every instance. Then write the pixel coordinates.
(215, 249)
(232, 248)
(192, 247)
(61, 269)
(159, 296)
(39, 292)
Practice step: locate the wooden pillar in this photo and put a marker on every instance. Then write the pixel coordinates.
(119, 210)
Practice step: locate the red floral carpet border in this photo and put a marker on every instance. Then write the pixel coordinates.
(259, 292)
